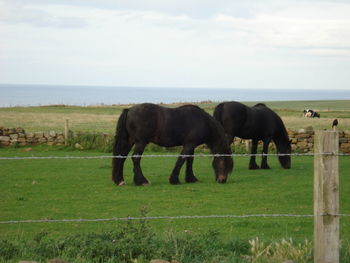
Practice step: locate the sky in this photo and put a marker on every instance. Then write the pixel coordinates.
(278, 44)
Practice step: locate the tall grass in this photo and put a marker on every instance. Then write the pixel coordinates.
(137, 242)
(134, 242)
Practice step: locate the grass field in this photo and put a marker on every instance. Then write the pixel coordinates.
(74, 189)
(103, 118)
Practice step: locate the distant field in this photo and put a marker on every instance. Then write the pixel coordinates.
(103, 118)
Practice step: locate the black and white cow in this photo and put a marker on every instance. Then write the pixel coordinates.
(308, 113)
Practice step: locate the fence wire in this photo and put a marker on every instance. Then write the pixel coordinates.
(165, 217)
(169, 156)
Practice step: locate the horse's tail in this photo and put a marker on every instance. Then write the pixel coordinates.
(218, 112)
(120, 148)
(121, 134)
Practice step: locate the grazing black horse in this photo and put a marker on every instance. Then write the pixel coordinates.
(188, 126)
(256, 123)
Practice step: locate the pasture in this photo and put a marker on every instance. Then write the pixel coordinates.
(82, 188)
(103, 118)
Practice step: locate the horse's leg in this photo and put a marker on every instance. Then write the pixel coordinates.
(174, 177)
(139, 179)
(118, 163)
(266, 143)
(229, 139)
(190, 178)
(252, 162)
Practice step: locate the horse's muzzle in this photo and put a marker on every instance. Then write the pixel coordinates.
(221, 179)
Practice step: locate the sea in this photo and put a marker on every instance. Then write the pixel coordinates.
(12, 95)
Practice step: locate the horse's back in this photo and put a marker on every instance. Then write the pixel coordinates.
(232, 115)
(267, 119)
(247, 122)
(168, 126)
(142, 119)
(190, 120)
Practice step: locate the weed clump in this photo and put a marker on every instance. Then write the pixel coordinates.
(281, 251)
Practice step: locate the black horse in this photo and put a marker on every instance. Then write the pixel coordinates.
(256, 123)
(188, 126)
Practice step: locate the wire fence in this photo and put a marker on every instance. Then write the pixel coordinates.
(165, 217)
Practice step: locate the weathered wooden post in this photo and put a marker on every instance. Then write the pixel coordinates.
(326, 197)
(66, 132)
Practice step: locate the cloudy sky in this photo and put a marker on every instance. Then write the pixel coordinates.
(292, 44)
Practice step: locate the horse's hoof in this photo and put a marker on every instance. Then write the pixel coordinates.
(142, 183)
(191, 180)
(174, 182)
(122, 183)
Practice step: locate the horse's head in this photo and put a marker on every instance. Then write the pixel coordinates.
(223, 165)
(284, 150)
(221, 147)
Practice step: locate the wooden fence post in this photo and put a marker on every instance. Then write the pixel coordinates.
(66, 132)
(326, 197)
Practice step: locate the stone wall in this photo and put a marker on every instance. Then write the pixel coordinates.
(302, 139)
(17, 136)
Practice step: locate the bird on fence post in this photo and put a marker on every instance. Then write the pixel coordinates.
(335, 124)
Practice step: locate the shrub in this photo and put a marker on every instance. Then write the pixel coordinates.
(92, 141)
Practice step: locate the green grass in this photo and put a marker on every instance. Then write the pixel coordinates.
(63, 189)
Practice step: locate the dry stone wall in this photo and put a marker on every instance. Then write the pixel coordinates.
(302, 139)
(18, 136)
